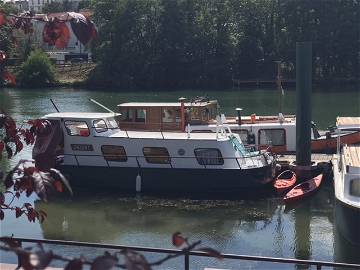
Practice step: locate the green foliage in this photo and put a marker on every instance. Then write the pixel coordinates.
(55, 7)
(204, 43)
(85, 4)
(37, 70)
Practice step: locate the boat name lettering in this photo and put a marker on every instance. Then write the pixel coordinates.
(82, 147)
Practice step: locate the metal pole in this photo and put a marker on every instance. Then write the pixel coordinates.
(279, 86)
(54, 105)
(303, 99)
(187, 261)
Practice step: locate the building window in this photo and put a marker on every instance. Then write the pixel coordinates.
(114, 153)
(355, 187)
(157, 155)
(273, 137)
(77, 128)
(140, 115)
(209, 156)
(100, 125)
(243, 133)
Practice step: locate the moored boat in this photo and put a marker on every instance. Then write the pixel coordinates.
(274, 133)
(303, 189)
(284, 181)
(347, 192)
(96, 152)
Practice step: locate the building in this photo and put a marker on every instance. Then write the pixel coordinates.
(37, 5)
(20, 5)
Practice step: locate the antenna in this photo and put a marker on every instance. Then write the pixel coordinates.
(53, 103)
(102, 106)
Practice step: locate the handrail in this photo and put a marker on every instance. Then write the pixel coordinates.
(318, 264)
(174, 158)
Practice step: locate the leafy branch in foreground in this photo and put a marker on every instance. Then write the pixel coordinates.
(39, 258)
(25, 177)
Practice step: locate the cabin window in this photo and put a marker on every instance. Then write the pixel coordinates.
(177, 115)
(140, 115)
(168, 115)
(355, 187)
(127, 115)
(209, 156)
(195, 113)
(274, 137)
(114, 153)
(112, 124)
(157, 155)
(77, 128)
(243, 133)
(100, 125)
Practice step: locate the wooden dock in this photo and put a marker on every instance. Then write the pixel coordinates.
(317, 158)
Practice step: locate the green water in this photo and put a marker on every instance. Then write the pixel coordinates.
(256, 227)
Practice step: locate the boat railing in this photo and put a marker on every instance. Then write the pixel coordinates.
(252, 160)
(187, 255)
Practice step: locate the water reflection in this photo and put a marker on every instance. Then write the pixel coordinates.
(107, 217)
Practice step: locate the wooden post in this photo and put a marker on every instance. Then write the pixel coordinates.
(182, 113)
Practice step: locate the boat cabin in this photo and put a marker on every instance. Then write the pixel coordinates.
(172, 116)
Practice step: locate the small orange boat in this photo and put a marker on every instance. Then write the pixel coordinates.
(303, 189)
(285, 181)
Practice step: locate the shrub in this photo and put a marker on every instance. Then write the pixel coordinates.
(37, 70)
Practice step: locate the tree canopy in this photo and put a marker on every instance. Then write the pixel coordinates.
(204, 43)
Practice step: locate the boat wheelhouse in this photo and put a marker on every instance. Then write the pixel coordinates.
(347, 192)
(96, 152)
(274, 133)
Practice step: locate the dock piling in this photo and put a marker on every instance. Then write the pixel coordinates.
(303, 108)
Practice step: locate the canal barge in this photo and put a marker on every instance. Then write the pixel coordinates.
(95, 152)
(347, 192)
(274, 133)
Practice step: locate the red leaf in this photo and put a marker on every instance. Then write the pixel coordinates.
(212, 252)
(30, 170)
(76, 264)
(2, 214)
(177, 239)
(58, 186)
(9, 78)
(10, 242)
(2, 18)
(18, 212)
(27, 205)
(2, 198)
(44, 259)
(105, 262)
(9, 151)
(19, 144)
(2, 145)
(135, 261)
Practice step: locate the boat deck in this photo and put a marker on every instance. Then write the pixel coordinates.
(348, 122)
(352, 155)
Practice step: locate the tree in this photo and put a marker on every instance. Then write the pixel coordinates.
(55, 7)
(37, 70)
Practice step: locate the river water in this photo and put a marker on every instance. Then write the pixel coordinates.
(259, 226)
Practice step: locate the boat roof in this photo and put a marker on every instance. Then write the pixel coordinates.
(168, 135)
(348, 122)
(352, 155)
(167, 104)
(79, 115)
